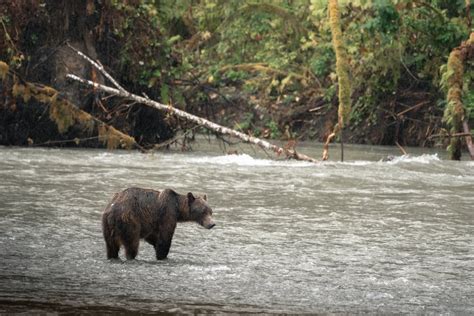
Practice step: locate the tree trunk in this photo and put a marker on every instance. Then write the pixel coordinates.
(342, 70)
(454, 114)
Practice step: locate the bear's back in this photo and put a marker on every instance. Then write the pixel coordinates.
(135, 203)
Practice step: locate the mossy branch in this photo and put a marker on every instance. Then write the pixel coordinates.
(64, 113)
(261, 67)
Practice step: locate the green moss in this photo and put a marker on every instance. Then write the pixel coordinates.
(342, 66)
(113, 139)
(455, 112)
(60, 112)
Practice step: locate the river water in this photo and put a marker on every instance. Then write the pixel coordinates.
(362, 236)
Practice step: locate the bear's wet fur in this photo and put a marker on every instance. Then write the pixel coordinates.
(137, 213)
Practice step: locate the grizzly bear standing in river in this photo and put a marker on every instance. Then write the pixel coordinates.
(136, 213)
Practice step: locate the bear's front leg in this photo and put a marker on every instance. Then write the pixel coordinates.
(162, 249)
(163, 243)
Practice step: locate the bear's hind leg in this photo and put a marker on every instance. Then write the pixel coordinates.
(112, 245)
(131, 248)
(113, 248)
(129, 237)
(131, 242)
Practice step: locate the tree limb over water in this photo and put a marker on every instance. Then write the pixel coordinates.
(289, 152)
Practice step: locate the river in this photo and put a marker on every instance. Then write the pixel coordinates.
(361, 236)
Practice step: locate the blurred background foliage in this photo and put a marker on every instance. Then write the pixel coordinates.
(268, 67)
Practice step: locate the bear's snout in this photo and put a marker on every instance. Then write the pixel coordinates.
(210, 226)
(208, 222)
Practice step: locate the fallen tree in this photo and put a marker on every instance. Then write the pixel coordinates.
(121, 92)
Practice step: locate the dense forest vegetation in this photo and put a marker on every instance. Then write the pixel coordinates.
(266, 68)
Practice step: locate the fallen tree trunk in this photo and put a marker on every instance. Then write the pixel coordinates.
(290, 153)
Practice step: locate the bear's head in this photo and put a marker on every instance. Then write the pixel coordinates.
(200, 211)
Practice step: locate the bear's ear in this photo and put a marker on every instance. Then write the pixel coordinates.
(191, 198)
(205, 197)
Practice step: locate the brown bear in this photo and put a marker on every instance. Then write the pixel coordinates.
(137, 213)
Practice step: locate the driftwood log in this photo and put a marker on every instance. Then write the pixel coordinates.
(121, 92)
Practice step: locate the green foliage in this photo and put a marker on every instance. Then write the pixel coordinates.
(245, 125)
(321, 62)
(468, 89)
(454, 80)
(273, 129)
(236, 75)
(165, 94)
(149, 55)
(246, 32)
(171, 49)
(468, 101)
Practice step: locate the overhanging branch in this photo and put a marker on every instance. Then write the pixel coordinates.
(290, 153)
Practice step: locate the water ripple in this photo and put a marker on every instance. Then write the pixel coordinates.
(363, 236)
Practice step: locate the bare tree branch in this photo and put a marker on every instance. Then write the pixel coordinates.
(290, 153)
(98, 66)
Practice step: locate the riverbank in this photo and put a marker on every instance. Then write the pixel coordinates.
(268, 71)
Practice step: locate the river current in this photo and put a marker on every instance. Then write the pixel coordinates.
(362, 236)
